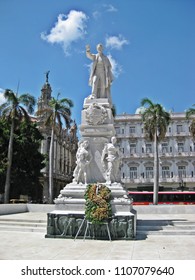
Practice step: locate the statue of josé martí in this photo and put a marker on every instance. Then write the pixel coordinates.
(97, 118)
(98, 160)
(101, 73)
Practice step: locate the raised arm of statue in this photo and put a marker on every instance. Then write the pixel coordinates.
(89, 54)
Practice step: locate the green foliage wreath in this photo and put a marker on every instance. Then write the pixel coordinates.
(97, 206)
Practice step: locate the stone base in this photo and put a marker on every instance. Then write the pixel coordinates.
(71, 198)
(69, 214)
(65, 224)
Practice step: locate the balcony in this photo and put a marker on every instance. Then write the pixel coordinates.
(139, 180)
(184, 154)
(131, 155)
(174, 179)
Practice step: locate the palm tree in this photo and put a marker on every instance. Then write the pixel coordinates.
(13, 110)
(191, 113)
(155, 120)
(56, 111)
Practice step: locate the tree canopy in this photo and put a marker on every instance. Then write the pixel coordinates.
(190, 113)
(27, 160)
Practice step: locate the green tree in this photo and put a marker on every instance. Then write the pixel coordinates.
(13, 110)
(113, 109)
(156, 121)
(58, 110)
(27, 161)
(4, 141)
(190, 113)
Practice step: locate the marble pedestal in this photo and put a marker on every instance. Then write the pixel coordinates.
(97, 129)
(69, 212)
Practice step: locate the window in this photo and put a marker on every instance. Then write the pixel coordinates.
(123, 131)
(181, 171)
(169, 129)
(165, 172)
(179, 128)
(148, 148)
(117, 130)
(149, 172)
(132, 129)
(132, 148)
(180, 147)
(133, 172)
(164, 147)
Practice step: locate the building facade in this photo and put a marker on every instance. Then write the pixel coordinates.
(65, 147)
(176, 152)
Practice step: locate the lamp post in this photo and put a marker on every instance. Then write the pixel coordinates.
(182, 185)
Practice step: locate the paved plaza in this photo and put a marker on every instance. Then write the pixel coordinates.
(34, 246)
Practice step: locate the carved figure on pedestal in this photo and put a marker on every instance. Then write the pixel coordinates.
(101, 74)
(83, 158)
(111, 159)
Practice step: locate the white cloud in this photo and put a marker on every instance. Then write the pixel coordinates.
(115, 42)
(2, 99)
(96, 14)
(110, 8)
(116, 68)
(68, 29)
(105, 8)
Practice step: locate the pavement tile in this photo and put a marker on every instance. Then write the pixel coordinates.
(34, 246)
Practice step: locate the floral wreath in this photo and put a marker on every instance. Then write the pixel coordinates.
(97, 206)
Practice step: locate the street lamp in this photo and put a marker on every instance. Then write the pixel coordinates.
(182, 185)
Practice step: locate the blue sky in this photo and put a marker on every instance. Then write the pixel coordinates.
(151, 44)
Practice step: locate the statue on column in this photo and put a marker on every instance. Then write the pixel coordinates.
(101, 73)
(47, 76)
(111, 159)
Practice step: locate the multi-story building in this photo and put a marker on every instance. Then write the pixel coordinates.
(176, 153)
(65, 147)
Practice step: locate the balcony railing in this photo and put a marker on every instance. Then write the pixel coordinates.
(174, 179)
(161, 154)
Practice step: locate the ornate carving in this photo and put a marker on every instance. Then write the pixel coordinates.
(66, 226)
(96, 114)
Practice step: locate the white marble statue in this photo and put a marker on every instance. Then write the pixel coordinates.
(83, 158)
(111, 159)
(101, 73)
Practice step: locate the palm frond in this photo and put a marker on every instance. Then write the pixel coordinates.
(146, 101)
(4, 106)
(67, 101)
(10, 96)
(59, 120)
(22, 113)
(29, 101)
(155, 120)
(190, 112)
(49, 119)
